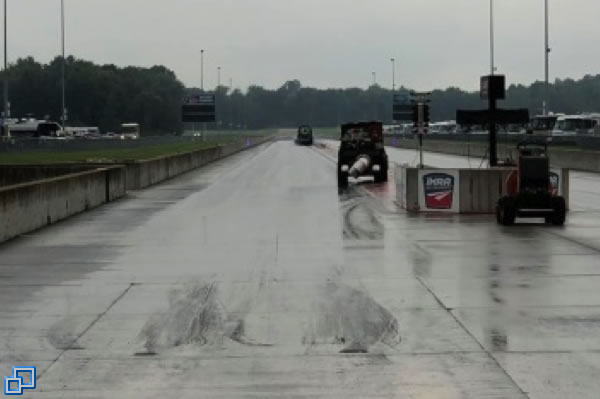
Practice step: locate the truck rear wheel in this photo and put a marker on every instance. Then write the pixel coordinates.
(559, 207)
(342, 179)
(381, 177)
(506, 211)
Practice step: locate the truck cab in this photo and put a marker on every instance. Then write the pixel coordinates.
(362, 152)
(305, 135)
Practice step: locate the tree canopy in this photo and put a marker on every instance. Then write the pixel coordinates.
(108, 95)
(97, 95)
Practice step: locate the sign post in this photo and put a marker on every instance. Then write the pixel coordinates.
(420, 112)
(493, 88)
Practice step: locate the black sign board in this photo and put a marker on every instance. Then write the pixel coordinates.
(493, 87)
(403, 110)
(500, 116)
(199, 108)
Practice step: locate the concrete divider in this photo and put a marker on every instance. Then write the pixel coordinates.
(17, 174)
(29, 206)
(458, 190)
(142, 174)
(34, 196)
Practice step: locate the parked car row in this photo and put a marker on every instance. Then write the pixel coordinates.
(43, 129)
(543, 125)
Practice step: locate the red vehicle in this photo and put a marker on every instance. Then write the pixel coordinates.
(529, 192)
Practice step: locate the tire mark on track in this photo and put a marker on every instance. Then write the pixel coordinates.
(87, 329)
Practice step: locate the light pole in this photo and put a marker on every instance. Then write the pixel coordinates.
(6, 103)
(218, 77)
(492, 61)
(547, 51)
(202, 70)
(393, 75)
(231, 104)
(62, 24)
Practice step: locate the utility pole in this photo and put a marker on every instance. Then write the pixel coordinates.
(421, 117)
(393, 75)
(201, 87)
(6, 103)
(218, 77)
(231, 104)
(202, 70)
(547, 51)
(64, 106)
(492, 56)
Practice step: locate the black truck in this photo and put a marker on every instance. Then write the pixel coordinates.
(362, 153)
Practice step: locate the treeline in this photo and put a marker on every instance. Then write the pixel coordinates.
(107, 95)
(97, 95)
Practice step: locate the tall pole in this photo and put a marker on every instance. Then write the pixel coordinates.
(393, 75)
(231, 104)
(547, 58)
(374, 78)
(6, 103)
(202, 86)
(218, 77)
(62, 19)
(202, 70)
(492, 61)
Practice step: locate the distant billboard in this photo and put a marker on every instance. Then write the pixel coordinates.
(199, 108)
(402, 108)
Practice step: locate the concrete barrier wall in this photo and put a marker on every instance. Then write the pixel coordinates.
(479, 189)
(30, 206)
(147, 173)
(559, 157)
(17, 174)
(407, 188)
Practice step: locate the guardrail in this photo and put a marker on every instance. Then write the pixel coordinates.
(582, 157)
(587, 142)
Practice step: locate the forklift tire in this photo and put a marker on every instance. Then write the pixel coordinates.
(560, 211)
(342, 179)
(506, 211)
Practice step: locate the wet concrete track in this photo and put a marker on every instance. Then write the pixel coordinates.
(254, 278)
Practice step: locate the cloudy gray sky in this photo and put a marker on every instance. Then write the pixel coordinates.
(323, 43)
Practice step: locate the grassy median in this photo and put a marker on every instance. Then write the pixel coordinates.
(108, 155)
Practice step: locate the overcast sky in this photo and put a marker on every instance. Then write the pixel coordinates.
(323, 43)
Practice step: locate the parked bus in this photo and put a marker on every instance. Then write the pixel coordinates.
(564, 125)
(130, 131)
(543, 125)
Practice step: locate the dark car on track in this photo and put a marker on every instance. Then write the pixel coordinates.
(362, 153)
(305, 135)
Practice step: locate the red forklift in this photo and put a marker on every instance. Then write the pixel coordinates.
(528, 190)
